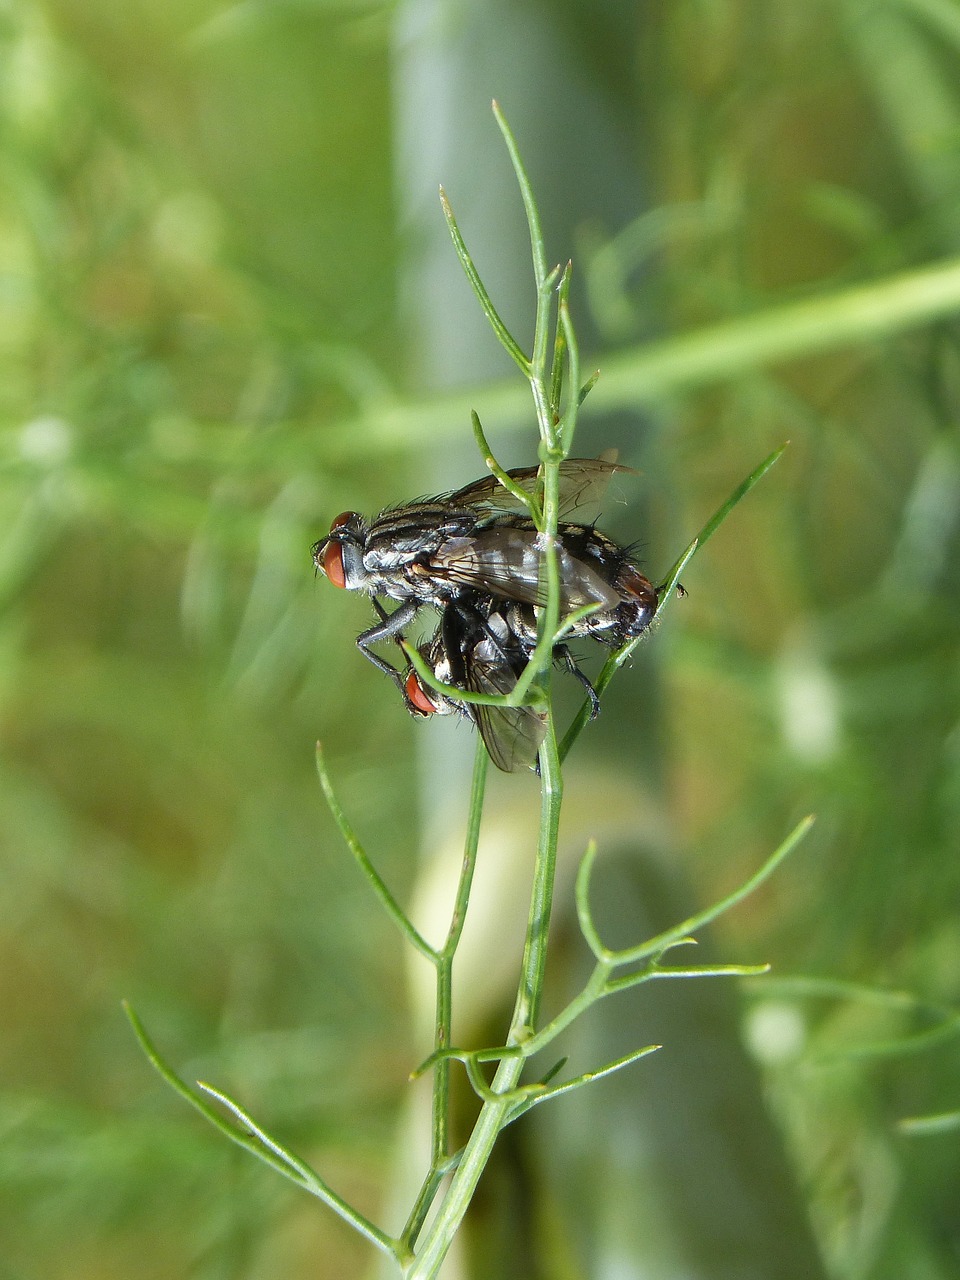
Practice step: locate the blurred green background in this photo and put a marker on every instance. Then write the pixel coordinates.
(223, 285)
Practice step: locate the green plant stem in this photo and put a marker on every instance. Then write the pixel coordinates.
(560, 349)
(253, 1138)
(546, 385)
(441, 1075)
(505, 337)
(421, 1248)
(530, 992)
(503, 1101)
(655, 947)
(664, 591)
(439, 1236)
(578, 391)
(496, 1109)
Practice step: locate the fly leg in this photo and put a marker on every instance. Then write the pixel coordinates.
(390, 624)
(563, 654)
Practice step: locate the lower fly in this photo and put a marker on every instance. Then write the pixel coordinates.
(480, 647)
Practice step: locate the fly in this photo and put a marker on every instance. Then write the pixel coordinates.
(453, 547)
(483, 646)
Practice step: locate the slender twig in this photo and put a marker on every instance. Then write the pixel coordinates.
(664, 592)
(507, 340)
(534, 1094)
(255, 1140)
(525, 497)
(529, 200)
(657, 945)
(376, 881)
(446, 955)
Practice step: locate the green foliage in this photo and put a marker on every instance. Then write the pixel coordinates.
(422, 1246)
(201, 359)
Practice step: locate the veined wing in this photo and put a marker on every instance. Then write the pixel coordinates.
(582, 481)
(512, 735)
(506, 561)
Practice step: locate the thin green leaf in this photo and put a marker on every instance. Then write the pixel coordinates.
(664, 593)
(504, 336)
(373, 877)
(526, 193)
(535, 1094)
(658, 944)
(568, 423)
(628, 980)
(423, 1203)
(582, 898)
(517, 697)
(554, 1071)
(560, 346)
(525, 497)
(741, 491)
(588, 386)
(255, 1140)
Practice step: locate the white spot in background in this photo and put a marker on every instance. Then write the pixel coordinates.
(46, 440)
(809, 705)
(31, 72)
(775, 1032)
(188, 229)
(930, 517)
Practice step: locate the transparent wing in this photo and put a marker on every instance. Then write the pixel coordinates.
(512, 735)
(582, 481)
(505, 560)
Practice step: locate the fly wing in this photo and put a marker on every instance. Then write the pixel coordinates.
(512, 735)
(582, 481)
(505, 560)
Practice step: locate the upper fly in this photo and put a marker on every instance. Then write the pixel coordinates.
(473, 542)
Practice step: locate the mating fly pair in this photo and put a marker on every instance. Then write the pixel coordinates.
(476, 557)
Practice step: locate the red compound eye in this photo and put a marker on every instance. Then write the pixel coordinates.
(332, 564)
(331, 558)
(417, 696)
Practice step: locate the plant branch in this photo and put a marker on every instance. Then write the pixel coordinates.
(260, 1144)
(374, 879)
(504, 336)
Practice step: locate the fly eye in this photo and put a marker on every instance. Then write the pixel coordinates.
(331, 562)
(330, 559)
(417, 697)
